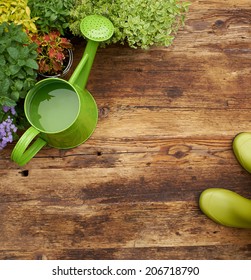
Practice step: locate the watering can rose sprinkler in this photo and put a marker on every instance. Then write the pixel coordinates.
(63, 114)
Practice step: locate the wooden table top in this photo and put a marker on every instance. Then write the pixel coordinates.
(167, 118)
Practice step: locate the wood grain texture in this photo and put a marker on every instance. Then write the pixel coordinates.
(167, 118)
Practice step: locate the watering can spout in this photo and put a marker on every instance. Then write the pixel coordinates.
(96, 29)
(80, 75)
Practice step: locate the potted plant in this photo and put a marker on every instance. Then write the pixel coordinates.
(18, 72)
(55, 54)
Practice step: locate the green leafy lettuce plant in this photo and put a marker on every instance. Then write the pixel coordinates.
(17, 11)
(51, 14)
(140, 23)
(17, 64)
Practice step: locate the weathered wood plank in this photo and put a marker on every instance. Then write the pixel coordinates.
(121, 233)
(119, 226)
(222, 252)
(164, 182)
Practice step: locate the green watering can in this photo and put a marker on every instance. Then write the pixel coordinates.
(63, 114)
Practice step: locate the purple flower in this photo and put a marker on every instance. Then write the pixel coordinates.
(11, 109)
(7, 128)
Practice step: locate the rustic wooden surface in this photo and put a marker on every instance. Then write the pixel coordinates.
(167, 118)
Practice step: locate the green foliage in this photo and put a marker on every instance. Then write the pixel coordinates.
(51, 14)
(18, 12)
(141, 23)
(17, 64)
(52, 51)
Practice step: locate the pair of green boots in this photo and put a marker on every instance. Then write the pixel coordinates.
(227, 207)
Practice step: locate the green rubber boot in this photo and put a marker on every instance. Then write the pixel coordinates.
(242, 149)
(226, 207)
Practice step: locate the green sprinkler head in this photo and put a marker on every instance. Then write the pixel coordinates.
(97, 28)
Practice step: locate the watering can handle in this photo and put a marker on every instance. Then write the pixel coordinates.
(21, 153)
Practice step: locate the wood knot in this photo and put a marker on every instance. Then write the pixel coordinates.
(219, 23)
(174, 92)
(179, 151)
(104, 111)
(219, 26)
